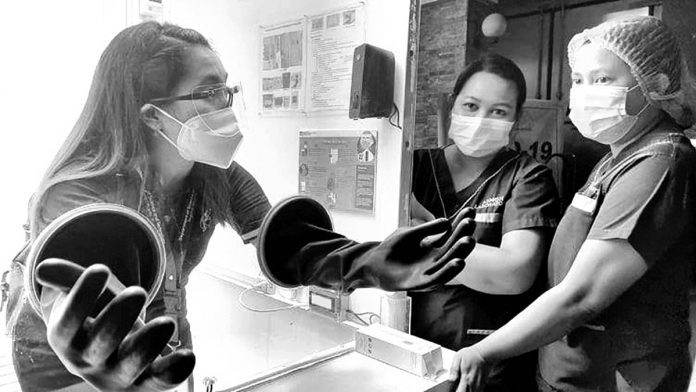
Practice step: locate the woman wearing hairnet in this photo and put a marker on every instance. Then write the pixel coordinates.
(616, 317)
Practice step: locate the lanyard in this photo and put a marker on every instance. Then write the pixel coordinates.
(476, 191)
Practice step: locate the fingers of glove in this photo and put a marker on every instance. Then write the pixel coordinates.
(459, 250)
(113, 324)
(440, 274)
(435, 276)
(58, 273)
(435, 241)
(464, 228)
(67, 319)
(462, 214)
(62, 274)
(169, 371)
(418, 233)
(140, 348)
(460, 227)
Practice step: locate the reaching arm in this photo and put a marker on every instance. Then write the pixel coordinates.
(602, 271)
(509, 269)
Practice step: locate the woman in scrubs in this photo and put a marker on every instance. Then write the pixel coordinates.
(616, 317)
(126, 148)
(158, 134)
(516, 207)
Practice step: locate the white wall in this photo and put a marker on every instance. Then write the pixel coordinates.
(233, 28)
(49, 51)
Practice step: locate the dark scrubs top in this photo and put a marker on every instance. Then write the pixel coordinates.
(38, 368)
(640, 340)
(514, 192)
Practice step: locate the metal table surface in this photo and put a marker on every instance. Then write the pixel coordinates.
(234, 344)
(343, 369)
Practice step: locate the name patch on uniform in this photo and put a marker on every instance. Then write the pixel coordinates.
(488, 217)
(584, 203)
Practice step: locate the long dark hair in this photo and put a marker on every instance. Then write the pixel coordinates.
(142, 62)
(497, 65)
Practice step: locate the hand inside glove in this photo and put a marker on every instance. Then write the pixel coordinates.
(417, 258)
(297, 246)
(113, 351)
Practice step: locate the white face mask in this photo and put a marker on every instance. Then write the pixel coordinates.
(599, 112)
(479, 136)
(211, 138)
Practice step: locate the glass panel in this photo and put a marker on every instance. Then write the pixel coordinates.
(177, 128)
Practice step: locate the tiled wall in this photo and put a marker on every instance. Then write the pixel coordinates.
(449, 34)
(442, 44)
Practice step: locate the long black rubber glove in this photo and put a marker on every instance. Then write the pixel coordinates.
(114, 351)
(405, 260)
(301, 249)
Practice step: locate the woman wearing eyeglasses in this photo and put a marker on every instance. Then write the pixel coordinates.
(158, 134)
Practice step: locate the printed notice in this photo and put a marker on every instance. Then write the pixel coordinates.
(537, 134)
(338, 168)
(332, 40)
(282, 68)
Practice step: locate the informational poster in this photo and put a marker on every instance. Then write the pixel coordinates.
(332, 40)
(283, 67)
(307, 65)
(338, 168)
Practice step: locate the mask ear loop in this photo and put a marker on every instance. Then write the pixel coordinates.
(164, 135)
(645, 105)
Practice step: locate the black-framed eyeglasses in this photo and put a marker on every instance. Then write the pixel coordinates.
(218, 95)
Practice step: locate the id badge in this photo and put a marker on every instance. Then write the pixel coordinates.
(584, 203)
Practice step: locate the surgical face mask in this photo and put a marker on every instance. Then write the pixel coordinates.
(211, 138)
(599, 112)
(479, 136)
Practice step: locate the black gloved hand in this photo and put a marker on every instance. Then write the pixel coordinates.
(417, 258)
(113, 351)
(298, 247)
(409, 260)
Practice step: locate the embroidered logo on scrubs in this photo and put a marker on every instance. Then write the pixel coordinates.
(491, 202)
(206, 219)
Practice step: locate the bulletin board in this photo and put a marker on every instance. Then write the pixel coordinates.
(338, 168)
(307, 64)
(283, 67)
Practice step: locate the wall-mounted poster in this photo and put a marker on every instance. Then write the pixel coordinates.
(338, 168)
(307, 65)
(332, 38)
(282, 67)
